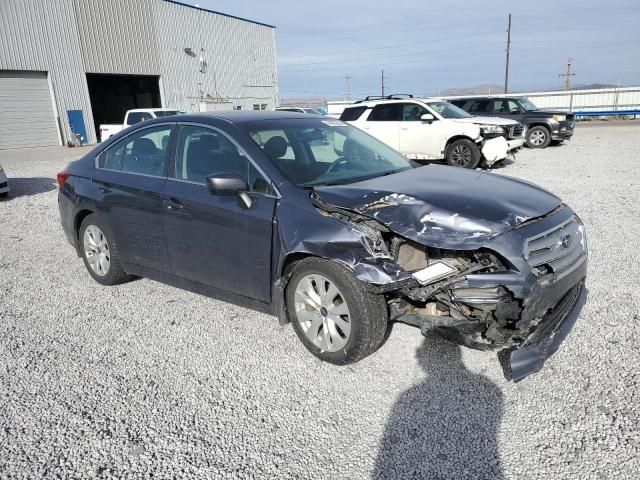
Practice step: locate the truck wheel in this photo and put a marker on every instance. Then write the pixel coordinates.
(463, 153)
(333, 314)
(538, 137)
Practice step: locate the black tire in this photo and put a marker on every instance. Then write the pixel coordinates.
(115, 274)
(463, 153)
(538, 137)
(368, 313)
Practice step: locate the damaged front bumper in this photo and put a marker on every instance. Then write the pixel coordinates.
(496, 149)
(524, 311)
(517, 363)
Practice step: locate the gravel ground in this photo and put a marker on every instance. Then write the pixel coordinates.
(148, 380)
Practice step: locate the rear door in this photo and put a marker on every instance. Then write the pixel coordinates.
(217, 240)
(130, 178)
(383, 123)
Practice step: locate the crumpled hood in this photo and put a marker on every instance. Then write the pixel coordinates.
(441, 206)
(488, 121)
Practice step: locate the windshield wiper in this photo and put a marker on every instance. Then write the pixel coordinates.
(347, 181)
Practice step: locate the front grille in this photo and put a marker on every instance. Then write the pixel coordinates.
(561, 248)
(516, 131)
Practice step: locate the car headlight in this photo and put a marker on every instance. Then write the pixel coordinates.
(491, 129)
(559, 118)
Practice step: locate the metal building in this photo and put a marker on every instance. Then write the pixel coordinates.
(67, 66)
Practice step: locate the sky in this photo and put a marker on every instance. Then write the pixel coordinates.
(426, 46)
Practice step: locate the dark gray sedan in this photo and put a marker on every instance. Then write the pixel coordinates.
(314, 221)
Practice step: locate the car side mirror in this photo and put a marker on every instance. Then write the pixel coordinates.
(227, 184)
(515, 110)
(427, 117)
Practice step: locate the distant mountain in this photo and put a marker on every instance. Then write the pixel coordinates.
(593, 86)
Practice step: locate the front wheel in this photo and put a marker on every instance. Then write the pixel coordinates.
(463, 153)
(538, 137)
(333, 314)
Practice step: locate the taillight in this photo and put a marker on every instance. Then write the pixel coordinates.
(61, 178)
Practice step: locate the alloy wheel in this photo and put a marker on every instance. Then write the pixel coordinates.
(322, 313)
(461, 155)
(96, 250)
(537, 138)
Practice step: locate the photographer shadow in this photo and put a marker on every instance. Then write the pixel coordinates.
(446, 426)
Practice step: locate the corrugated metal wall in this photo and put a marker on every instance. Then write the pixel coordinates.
(240, 58)
(42, 36)
(68, 38)
(117, 36)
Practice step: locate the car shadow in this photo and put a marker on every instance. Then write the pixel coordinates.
(445, 426)
(23, 187)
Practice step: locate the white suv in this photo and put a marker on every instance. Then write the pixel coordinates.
(432, 129)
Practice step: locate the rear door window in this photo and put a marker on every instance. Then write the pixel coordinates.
(478, 106)
(144, 152)
(389, 112)
(137, 117)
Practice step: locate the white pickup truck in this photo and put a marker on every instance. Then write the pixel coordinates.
(433, 129)
(135, 116)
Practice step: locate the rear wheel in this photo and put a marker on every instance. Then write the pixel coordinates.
(333, 314)
(538, 137)
(99, 252)
(463, 153)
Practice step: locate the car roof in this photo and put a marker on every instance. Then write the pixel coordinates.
(240, 116)
(154, 109)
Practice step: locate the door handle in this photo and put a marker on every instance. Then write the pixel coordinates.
(104, 187)
(172, 204)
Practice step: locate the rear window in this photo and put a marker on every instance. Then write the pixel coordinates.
(351, 114)
(166, 113)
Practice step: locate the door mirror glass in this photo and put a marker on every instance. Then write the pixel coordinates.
(227, 184)
(427, 117)
(224, 184)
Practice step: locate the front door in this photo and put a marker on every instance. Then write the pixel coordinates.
(420, 140)
(217, 240)
(130, 179)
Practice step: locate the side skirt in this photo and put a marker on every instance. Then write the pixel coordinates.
(199, 288)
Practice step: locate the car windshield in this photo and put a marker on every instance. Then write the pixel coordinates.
(166, 113)
(319, 152)
(527, 104)
(448, 110)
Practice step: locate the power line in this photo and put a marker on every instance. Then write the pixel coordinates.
(413, 60)
(386, 47)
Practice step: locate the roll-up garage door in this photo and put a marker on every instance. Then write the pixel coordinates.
(26, 111)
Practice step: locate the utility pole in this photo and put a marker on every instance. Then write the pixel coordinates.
(382, 78)
(567, 75)
(348, 87)
(506, 69)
